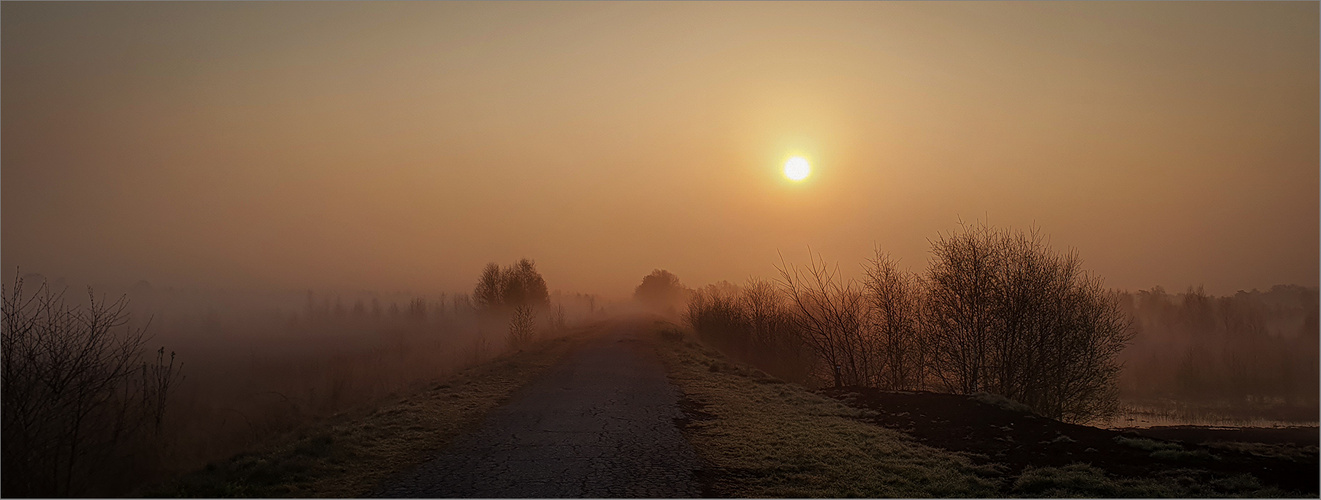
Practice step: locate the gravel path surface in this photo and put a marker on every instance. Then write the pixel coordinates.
(601, 424)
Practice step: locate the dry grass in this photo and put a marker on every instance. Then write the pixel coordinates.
(348, 455)
(766, 438)
(763, 437)
(1084, 481)
(1287, 451)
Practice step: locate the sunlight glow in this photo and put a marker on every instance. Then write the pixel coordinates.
(797, 168)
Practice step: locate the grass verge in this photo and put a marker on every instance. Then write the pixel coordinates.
(1286, 451)
(348, 455)
(1084, 481)
(762, 437)
(766, 438)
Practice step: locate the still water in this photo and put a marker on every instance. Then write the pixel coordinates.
(1166, 412)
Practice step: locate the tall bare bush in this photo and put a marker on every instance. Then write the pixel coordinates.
(961, 283)
(830, 314)
(521, 327)
(895, 298)
(1006, 314)
(78, 398)
(754, 325)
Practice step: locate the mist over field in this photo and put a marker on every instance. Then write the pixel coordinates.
(248, 220)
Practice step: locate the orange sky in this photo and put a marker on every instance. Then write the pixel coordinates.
(403, 145)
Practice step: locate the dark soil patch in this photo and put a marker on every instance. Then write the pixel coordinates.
(706, 476)
(1018, 440)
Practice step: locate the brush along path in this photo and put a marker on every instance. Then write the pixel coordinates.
(601, 424)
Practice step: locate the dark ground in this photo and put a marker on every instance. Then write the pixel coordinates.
(1018, 440)
(602, 424)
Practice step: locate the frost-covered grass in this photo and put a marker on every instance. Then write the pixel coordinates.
(349, 455)
(771, 439)
(767, 438)
(1084, 481)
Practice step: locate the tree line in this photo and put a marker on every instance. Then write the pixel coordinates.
(996, 311)
(1252, 346)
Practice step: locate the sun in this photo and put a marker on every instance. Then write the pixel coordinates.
(797, 168)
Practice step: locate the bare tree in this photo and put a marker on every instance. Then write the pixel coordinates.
(487, 295)
(500, 290)
(76, 395)
(961, 283)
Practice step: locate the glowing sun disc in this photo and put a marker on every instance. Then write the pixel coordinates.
(797, 168)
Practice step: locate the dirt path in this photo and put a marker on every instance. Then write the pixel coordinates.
(599, 425)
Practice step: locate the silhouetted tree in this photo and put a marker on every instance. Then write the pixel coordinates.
(487, 294)
(76, 392)
(1006, 314)
(660, 291)
(501, 290)
(524, 286)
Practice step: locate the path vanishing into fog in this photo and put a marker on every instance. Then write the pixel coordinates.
(600, 424)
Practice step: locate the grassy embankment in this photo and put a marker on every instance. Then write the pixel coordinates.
(762, 437)
(350, 454)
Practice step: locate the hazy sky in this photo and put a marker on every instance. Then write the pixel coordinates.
(403, 145)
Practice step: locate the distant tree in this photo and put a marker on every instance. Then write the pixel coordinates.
(524, 286)
(417, 309)
(502, 290)
(340, 311)
(660, 291)
(487, 295)
(461, 303)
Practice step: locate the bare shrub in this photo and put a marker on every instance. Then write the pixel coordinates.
(556, 323)
(753, 325)
(895, 298)
(830, 315)
(996, 311)
(775, 345)
(1007, 315)
(521, 328)
(77, 398)
(714, 313)
(960, 281)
